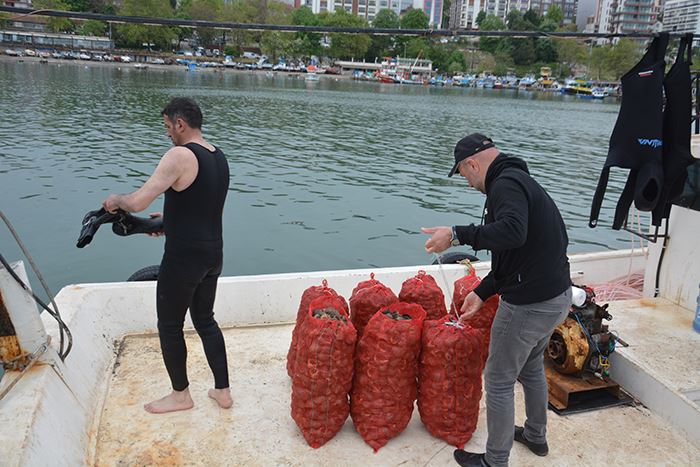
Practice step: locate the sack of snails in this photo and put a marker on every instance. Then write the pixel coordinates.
(307, 297)
(482, 319)
(366, 299)
(386, 367)
(449, 379)
(323, 369)
(424, 291)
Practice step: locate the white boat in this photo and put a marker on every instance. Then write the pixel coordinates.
(87, 410)
(599, 93)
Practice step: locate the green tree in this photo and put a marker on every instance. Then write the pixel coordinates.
(522, 51)
(414, 18)
(532, 17)
(346, 45)
(54, 24)
(548, 26)
(93, 28)
(455, 68)
(597, 61)
(545, 50)
(276, 44)
(621, 57)
(239, 11)
(571, 53)
(555, 14)
(387, 19)
(480, 18)
(382, 45)
(305, 44)
(79, 5)
(491, 23)
(206, 10)
(135, 35)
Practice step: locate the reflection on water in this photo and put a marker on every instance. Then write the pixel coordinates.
(325, 175)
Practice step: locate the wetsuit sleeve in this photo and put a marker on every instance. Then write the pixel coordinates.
(486, 288)
(509, 203)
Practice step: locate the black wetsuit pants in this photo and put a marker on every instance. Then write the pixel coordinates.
(187, 279)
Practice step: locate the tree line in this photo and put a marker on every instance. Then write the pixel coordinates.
(498, 55)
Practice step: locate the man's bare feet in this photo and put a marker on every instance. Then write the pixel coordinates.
(222, 397)
(176, 400)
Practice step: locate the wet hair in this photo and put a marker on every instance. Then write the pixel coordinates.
(184, 108)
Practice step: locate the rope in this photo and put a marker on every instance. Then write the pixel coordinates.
(64, 332)
(447, 285)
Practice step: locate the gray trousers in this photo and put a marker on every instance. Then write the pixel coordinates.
(519, 337)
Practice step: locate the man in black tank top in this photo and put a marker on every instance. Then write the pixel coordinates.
(194, 176)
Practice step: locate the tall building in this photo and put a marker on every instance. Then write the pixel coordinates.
(568, 7)
(634, 16)
(584, 10)
(682, 16)
(318, 6)
(433, 9)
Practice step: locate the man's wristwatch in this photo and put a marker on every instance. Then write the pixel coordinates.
(454, 241)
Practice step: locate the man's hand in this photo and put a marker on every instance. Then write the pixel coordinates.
(155, 215)
(472, 304)
(440, 240)
(111, 204)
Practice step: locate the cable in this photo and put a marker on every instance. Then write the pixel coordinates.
(319, 29)
(64, 332)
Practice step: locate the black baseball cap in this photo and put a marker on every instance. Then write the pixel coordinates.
(468, 146)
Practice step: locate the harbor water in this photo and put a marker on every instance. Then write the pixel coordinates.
(332, 174)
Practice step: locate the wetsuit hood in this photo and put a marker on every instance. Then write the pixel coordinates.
(502, 162)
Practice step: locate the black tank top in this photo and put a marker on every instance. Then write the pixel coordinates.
(677, 120)
(636, 142)
(193, 216)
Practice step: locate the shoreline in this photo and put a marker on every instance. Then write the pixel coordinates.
(152, 66)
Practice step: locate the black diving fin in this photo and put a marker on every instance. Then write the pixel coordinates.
(91, 222)
(123, 224)
(128, 224)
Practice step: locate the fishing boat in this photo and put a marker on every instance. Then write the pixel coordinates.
(86, 408)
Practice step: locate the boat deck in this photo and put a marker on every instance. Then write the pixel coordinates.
(259, 430)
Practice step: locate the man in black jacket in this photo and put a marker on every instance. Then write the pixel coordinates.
(530, 270)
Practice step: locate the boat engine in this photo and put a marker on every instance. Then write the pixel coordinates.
(582, 342)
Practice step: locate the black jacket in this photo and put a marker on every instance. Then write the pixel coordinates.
(526, 236)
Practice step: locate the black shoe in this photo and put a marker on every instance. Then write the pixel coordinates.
(541, 449)
(469, 459)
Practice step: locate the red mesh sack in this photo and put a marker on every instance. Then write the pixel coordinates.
(449, 380)
(307, 297)
(323, 370)
(482, 319)
(366, 299)
(386, 367)
(423, 290)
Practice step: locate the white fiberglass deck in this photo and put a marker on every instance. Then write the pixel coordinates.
(260, 431)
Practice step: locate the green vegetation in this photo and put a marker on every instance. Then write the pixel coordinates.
(497, 55)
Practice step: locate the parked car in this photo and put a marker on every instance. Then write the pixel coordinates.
(126, 59)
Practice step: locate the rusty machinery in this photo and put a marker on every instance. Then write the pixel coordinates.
(582, 342)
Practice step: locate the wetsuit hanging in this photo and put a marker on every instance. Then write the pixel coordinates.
(677, 120)
(636, 141)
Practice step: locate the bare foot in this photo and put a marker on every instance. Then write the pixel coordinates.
(176, 400)
(222, 397)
